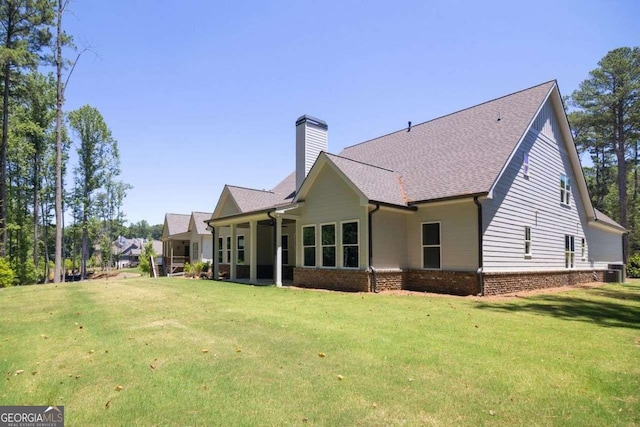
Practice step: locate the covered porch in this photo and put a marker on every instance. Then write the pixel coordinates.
(175, 253)
(256, 248)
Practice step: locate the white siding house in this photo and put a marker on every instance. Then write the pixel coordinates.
(485, 200)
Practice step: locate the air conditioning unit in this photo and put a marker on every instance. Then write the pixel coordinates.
(613, 276)
(621, 269)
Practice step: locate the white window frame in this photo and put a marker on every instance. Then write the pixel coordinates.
(220, 250)
(583, 249)
(569, 251)
(314, 246)
(339, 238)
(285, 250)
(565, 189)
(527, 241)
(228, 249)
(238, 250)
(525, 163)
(422, 245)
(334, 246)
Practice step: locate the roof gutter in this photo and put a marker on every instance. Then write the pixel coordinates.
(370, 231)
(479, 273)
(234, 216)
(450, 198)
(391, 205)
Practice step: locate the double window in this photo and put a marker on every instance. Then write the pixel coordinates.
(565, 189)
(569, 251)
(431, 246)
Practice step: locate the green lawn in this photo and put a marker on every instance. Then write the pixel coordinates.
(197, 352)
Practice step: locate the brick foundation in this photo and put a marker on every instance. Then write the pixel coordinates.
(335, 280)
(447, 282)
(502, 283)
(389, 280)
(223, 271)
(442, 282)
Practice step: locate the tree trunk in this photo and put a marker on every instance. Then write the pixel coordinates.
(36, 189)
(3, 158)
(46, 244)
(619, 141)
(59, 262)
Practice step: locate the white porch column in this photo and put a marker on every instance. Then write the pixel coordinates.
(171, 259)
(234, 254)
(278, 250)
(253, 251)
(214, 245)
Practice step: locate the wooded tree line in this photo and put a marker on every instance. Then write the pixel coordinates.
(605, 122)
(38, 141)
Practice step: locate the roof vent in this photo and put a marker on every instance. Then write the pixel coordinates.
(499, 115)
(409, 126)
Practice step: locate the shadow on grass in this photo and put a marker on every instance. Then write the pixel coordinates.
(617, 307)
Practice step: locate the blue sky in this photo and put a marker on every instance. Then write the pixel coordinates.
(203, 93)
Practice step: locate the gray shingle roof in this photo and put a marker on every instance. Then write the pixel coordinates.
(376, 183)
(199, 219)
(176, 224)
(458, 154)
(601, 217)
(249, 200)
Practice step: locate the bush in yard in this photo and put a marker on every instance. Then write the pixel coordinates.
(197, 268)
(187, 269)
(6, 273)
(145, 257)
(633, 266)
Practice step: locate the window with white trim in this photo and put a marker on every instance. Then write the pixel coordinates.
(220, 250)
(350, 244)
(527, 241)
(431, 247)
(565, 189)
(194, 251)
(583, 249)
(525, 164)
(309, 246)
(240, 249)
(285, 249)
(569, 251)
(328, 243)
(228, 249)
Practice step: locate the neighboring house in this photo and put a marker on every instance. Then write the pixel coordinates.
(127, 251)
(185, 239)
(487, 200)
(201, 240)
